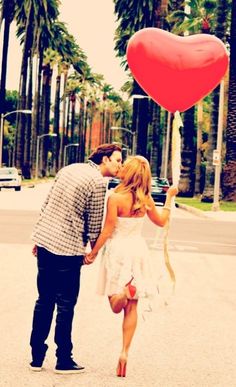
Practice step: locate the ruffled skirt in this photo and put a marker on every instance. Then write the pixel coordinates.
(123, 258)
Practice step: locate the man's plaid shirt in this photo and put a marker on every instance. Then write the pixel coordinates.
(73, 211)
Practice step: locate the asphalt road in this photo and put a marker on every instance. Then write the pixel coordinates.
(187, 341)
(194, 234)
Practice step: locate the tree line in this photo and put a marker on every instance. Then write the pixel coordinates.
(81, 108)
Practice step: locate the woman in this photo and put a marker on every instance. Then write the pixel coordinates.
(125, 264)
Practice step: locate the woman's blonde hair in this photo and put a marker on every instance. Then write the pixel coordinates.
(136, 178)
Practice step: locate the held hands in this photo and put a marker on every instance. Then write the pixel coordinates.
(89, 258)
(34, 251)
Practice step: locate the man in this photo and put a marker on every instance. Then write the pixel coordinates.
(70, 218)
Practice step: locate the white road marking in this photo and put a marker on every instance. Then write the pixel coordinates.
(184, 245)
(204, 243)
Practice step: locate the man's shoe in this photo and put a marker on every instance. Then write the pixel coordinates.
(36, 366)
(70, 367)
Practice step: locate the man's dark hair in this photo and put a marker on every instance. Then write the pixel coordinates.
(103, 150)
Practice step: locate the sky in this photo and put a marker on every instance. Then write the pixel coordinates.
(93, 26)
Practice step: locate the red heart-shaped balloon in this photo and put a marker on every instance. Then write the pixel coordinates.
(176, 71)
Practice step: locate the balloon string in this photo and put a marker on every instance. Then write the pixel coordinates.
(176, 165)
(176, 149)
(166, 254)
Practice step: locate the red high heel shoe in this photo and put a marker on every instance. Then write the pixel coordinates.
(121, 367)
(131, 289)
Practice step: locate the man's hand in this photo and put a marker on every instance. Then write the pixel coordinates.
(89, 258)
(34, 251)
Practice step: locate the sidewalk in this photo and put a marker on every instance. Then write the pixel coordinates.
(227, 216)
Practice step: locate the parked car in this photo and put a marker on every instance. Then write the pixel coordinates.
(113, 182)
(10, 178)
(160, 186)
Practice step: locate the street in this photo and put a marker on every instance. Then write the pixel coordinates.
(187, 341)
(19, 211)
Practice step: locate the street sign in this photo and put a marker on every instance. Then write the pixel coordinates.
(216, 157)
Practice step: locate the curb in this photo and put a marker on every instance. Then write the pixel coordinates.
(34, 183)
(193, 210)
(28, 185)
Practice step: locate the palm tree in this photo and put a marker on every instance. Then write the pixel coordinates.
(205, 16)
(104, 131)
(220, 32)
(49, 34)
(93, 108)
(229, 171)
(9, 128)
(157, 128)
(133, 16)
(197, 16)
(49, 61)
(34, 18)
(71, 55)
(79, 86)
(57, 40)
(7, 14)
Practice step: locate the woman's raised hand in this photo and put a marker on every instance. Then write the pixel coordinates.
(172, 191)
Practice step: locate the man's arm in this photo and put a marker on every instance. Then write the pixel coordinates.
(95, 210)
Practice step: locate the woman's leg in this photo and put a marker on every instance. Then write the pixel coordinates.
(118, 302)
(129, 326)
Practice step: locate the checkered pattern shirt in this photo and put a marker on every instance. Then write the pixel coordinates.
(73, 211)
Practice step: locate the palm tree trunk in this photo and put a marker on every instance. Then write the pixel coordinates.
(4, 65)
(56, 124)
(36, 110)
(67, 132)
(81, 129)
(46, 96)
(72, 125)
(21, 119)
(229, 171)
(208, 193)
(157, 139)
(165, 165)
(199, 150)
(141, 119)
(86, 117)
(142, 129)
(7, 13)
(62, 141)
(188, 155)
(26, 165)
(92, 115)
(161, 13)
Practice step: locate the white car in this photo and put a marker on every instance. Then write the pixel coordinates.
(10, 178)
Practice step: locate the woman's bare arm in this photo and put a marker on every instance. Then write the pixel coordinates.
(160, 218)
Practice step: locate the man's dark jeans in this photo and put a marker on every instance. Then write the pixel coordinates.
(58, 284)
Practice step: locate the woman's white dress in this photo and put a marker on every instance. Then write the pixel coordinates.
(126, 255)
